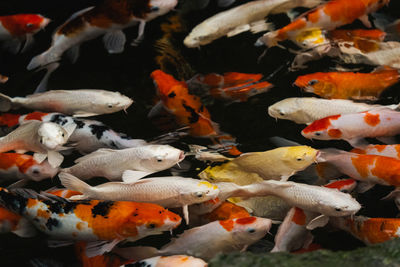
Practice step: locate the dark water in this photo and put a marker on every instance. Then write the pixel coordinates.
(129, 73)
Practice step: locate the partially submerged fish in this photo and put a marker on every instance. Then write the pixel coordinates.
(349, 85)
(175, 260)
(247, 17)
(43, 138)
(110, 221)
(79, 103)
(169, 192)
(305, 110)
(140, 161)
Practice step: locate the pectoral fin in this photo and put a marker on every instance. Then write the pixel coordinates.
(39, 157)
(100, 247)
(186, 213)
(130, 176)
(239, 29)
(55, 158)
(364, 187)
(365, 20)
(114, 41)
(261, 26)
(70, 128)
(319, 221)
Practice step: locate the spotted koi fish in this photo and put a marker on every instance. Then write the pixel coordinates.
(19, 29)
(292, 233)
(89, 220)
(231, 86)
(88, 136)
(348, 85)
(380, 150)
(188, 110)
(354, 127)
(369, 230)
(326, 17)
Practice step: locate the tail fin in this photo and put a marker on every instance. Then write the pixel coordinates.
(6, 103)
(73, 183)
(137, 253)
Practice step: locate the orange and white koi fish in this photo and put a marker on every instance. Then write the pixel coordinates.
(12, 222)
(88, 136)
(353, 128)
(19, 29)
(392, 151)
(188, 110)
(326, 17)
(110, 221)
(206, 241)
(108, 19)
(369, 230)
(62, 192)
(225, 211)
(175, 260)
(232, 86)
(292, 233)
(348, 85)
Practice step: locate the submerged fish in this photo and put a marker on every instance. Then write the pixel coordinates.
(305, 110)
(79, 103)
(110, 221)
(349, 85)
(140, 161)
(247, 17)
(206, 241)
(175, 260)
(19, 29)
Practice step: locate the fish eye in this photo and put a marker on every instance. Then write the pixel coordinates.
(62, 134)
(151, 226)
(338, 209)
(154, 9)
(199, 194)
(345, 191)
(312, 82)
(281, 113)
(41, 140)
(35, 171)
(317, 134)
(109, 105)
(251, 230)
(299, 159)
(159, 160)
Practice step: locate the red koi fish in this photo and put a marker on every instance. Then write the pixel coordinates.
(188, 110)
(20, 28)
(392, 151)
(353, 128)
(91, 221)
(327, 17)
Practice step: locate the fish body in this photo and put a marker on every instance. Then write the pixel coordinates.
(20, 28)
(270, 207)
(354, 127)
(392, 151)
(24, 167)
(348, 85)
(225, 211)
(362, 39)
(305, 110)
(79, 103)
(369, 230)
(88, 136)
(175, 260)
(111, 164)
(93, 220)
(248, 16)
(328, 16)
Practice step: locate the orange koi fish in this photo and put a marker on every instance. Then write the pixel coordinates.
(292, 233)
(188, 109)
(327, 17)
(232, 86)
(348, 85)
(392, 151)
(109, 221)
(369, 230)
(20, 28)
(354, 127)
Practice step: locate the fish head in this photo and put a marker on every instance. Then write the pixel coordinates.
(249, 230)
(160, 7)
(202, 34)
(297, 158)
(323, 129)
(38, 172)
(287, 109)
(318, 83)
(29, 23)
(160, 157)
(343, 205)
(113, 102)
(52, 135)
(203, 192)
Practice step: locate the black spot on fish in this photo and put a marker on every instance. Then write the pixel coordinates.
(201, 109)
(102, 209)
(59, 119)
(13, 202)
(194, 117)
(138, 264)
(98, 130)
(79, 124)
(172, 94)
(52, 223)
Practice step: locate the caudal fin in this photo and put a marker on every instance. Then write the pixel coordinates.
(73, 183)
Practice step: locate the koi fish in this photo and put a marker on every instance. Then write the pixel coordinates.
(62, 192)
(43, 138)
(292, 233)
(188, 110)
(14, 223)
(88, 136)
(19, 29)
(380, 124)
(329, 16)
(364, 40)
(24, 167)
(348, 85)
(225, 211)
(246, 17)
(91, 221)
(369, 230)
(175, 260)
(140, 161)
(392, 151)
(305, 110)
(108, 19)
(232, 86)
(169, 192)
(79, 103)
(279, 163)
(205, 241)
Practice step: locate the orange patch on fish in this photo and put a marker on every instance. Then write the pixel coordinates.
(397, 147)
(247, 220)
(362, 163)
(11, 217)
(314, 16)
(335, 133)
(227, 224)
(227, 211)
(375, 230)
(340, 184)
(35, 116)
(31, 202)
(358, 151)
(299, 217)
(295, 25)
(387, 169)
(184, 259)
(43, 213)
(321, 124)
(371, 119)
(9, 119)
(17, 24)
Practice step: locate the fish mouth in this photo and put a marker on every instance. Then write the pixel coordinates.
(318, 157)
(181, 156)
(308, 89)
